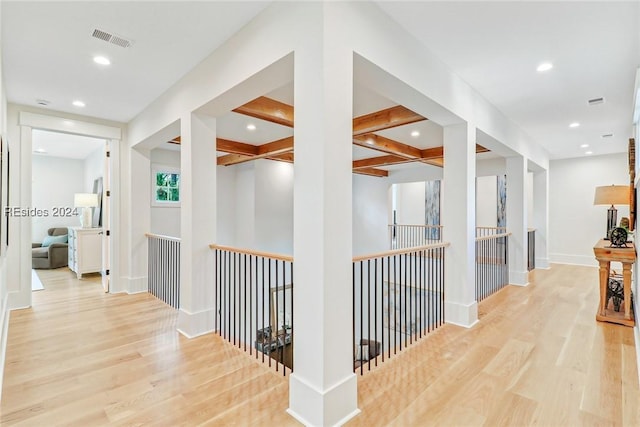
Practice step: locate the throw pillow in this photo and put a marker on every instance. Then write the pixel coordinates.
(49, 240)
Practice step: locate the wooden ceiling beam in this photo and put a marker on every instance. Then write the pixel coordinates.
(233, 159)
(281, 146)
(372, 172)
(386, 145)
(271, 149)
(234, 147)
(286, 157)
(268, 109)
(379, 161)
(385, 119)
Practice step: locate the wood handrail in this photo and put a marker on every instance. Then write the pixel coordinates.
(401, 251)
(271, 255)
(161, 236)
(492, 236)
(414, 225)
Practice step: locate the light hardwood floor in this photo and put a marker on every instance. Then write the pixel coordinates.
(537, 357)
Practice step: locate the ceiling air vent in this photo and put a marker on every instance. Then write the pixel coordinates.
(111, 38)
(596, 101)
(607, 135)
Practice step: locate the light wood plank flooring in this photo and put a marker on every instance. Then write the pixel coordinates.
(538, 357)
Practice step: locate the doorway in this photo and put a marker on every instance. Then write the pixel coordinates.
(30, 124)
(66, 169)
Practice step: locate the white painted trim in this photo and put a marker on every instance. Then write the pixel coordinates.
(59, 124)
(636, 334)
(542, 264)
(465, 315)
(519, 278)
(4, 338)
(588, 261)
(313, 407)
(137, 285)
(193, 325)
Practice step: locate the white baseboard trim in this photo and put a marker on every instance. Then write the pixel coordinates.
(331, 407)
(636, 333)
(519, 278)
(193, 325)
(542, 264)
(137, 284)
(17, 300)
(589, 261)
(465, 315)
(4, 330)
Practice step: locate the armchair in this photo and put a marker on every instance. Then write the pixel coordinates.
(51, 255)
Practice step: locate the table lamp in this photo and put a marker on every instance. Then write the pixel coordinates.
(86, 201)
(611, 195)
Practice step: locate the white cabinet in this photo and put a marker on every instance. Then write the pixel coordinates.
(85, 250)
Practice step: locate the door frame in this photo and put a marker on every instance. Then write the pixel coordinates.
(113, 136)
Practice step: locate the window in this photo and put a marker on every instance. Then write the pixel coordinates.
(165, 186)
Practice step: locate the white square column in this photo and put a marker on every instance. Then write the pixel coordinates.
(458, 221)
(517, 220)
(323, 387)
(197, 224)
(139, 221)
(541, 217)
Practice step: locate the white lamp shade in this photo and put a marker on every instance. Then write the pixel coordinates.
(85, 200)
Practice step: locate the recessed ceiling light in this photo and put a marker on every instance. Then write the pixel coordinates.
(588, 152)
(369, 141)
(415, 133)
(40, 150)
(574, 125)
(584, 145)
(251, 126)
(67, 122)
(78, 103)
(545, 66)
(102, 60)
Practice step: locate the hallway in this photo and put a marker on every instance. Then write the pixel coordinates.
(537, 357)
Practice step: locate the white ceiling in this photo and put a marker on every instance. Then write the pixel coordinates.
(48, 50)
(56, 144)
(494, 46)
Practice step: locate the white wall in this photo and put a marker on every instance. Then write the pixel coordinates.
(245, 205)
(226, 206)
(274, 206)
(575, 224)
(93, 168)
(410, 203)
(4, 293)
(486, 201)
(370, 214)
(165, 220)
(55, 181)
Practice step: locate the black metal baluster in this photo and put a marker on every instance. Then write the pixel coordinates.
(353, 310)
(292, 318)
(375, 306)
(263, 312)
(369, 308)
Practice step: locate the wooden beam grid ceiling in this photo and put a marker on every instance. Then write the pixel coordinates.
(363, 135)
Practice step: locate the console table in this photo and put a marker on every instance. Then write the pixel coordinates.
(605, 255)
